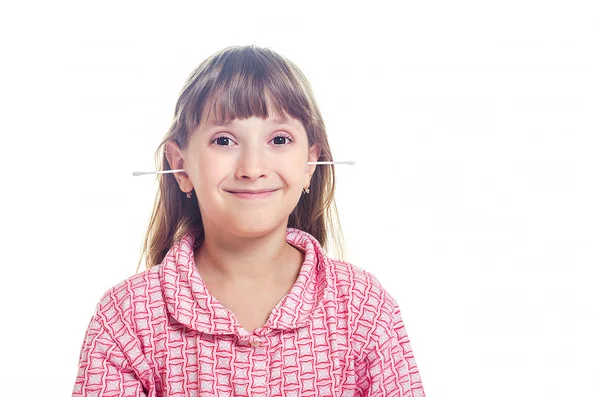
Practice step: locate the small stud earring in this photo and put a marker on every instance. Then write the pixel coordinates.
(306, 190)
(189, 194)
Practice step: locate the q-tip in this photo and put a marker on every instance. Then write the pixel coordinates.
(138, 173)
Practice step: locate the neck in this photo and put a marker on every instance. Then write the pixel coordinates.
(246, 261)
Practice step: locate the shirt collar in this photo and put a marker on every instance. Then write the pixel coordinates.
(189, 302)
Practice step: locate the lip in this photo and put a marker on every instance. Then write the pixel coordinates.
(249, 194)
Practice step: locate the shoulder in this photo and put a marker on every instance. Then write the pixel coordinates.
(361, 286)
(371, 309)
(129, 301)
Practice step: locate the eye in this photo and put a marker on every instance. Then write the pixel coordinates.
(222, 139)
(281, 138)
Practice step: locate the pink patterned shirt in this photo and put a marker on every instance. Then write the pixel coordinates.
(160, 333)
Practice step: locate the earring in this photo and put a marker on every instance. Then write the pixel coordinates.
(306, 190)
(189, 194)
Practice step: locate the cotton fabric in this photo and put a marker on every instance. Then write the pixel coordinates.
(337, 332)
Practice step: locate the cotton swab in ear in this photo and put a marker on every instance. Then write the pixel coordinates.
(138, 173)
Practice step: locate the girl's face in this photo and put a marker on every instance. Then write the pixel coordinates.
(251, 154)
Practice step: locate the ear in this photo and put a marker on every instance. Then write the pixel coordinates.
(175, 157)
(313, 155)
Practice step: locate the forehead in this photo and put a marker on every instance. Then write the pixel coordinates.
(219, 110)
(276, 120)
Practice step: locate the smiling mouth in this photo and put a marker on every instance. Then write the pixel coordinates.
(251, 191)
(253, 195)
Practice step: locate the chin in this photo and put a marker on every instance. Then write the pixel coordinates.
(254, 229)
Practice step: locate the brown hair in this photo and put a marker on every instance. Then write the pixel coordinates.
(237, 82)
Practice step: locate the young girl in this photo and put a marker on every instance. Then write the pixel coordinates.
(240, 297)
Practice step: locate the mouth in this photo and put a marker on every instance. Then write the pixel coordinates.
(252, 194)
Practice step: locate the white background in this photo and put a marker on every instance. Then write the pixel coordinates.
(474, 198)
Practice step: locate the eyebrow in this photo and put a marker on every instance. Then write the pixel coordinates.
(216, 123)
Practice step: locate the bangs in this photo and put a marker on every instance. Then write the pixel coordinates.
(247, 83)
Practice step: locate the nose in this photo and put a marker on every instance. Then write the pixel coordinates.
(251, 164)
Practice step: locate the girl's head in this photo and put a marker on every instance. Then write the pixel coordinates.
(246, 119)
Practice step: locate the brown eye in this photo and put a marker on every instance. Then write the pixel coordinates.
(280, 140)
(223, 140)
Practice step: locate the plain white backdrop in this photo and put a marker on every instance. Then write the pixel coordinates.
(474, 198)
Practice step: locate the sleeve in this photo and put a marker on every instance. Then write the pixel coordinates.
(103, 366)
(389, 367)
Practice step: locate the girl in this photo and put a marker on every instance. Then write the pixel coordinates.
(240, 298)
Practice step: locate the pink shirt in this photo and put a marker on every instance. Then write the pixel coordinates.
(160, 333)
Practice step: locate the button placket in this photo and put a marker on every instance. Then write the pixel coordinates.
(255, 341)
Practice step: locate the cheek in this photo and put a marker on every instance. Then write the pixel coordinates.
(210, 168)
(294, 177)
